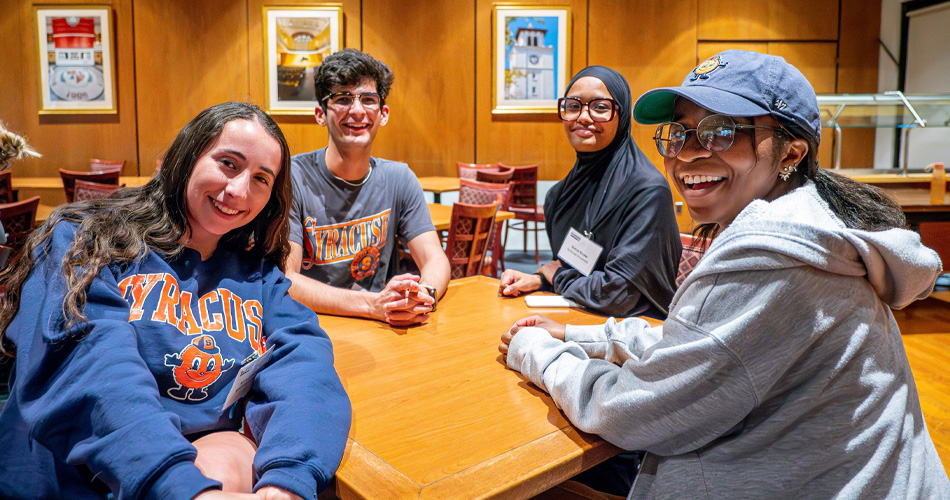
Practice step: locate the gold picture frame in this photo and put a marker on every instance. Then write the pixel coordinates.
(75, 50)
(531, 57)
(296, 40)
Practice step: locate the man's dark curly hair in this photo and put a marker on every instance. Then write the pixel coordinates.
(348, 67)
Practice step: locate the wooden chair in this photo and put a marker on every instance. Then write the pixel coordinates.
(483, 193)
(468, 237)
(524, 204)
(70, 176)
(470, 170)
(86, 190)
(936, 235)
(18, 219)
(494, 175)
(5, 253)
(692, 252)
(7, 194)
(97, 165)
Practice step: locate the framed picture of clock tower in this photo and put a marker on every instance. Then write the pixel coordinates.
(530, 57)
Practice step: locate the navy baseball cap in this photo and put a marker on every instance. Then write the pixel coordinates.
(740, 83)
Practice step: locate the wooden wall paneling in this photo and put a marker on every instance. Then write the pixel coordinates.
(733, 20)
(523, 138)
(705, 50)
(803, 19)
(431, 52)
(857, 72)
(767, 20)
(65, 140)
(301, 131)
(650, 48)
(188, 56)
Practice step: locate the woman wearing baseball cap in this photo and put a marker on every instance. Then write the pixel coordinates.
(780, 371)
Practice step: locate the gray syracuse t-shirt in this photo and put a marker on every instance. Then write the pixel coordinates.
(348, 232)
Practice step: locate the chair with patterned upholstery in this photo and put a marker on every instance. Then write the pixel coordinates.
(692, 252)
(70, 177)
(86, 190)
(7, 194)
(483, 193)
(524, 204)
(470, 170)
(468, 237)
(495, 175)
(18, 219)
(97, 165)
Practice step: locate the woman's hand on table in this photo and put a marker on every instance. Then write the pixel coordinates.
(515, 283)
(549, 269)
(552, 327)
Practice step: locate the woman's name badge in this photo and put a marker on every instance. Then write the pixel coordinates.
(242, 383)
(580, 252)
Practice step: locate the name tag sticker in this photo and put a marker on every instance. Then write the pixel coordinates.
(245, 377)
(580, 252)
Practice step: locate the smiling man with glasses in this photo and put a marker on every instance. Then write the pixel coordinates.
(351, 211)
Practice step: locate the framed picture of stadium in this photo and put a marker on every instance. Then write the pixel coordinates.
(75, 50)
(296, 40)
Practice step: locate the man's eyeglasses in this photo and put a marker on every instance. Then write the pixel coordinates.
(715, 133)
(600, 110)
(343, 100)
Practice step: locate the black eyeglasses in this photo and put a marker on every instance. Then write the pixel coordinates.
(715, 133)
(344, 100)
(600, 110)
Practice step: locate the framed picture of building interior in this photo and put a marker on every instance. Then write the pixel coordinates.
(296, 40)
(530, 57)
(75, 48)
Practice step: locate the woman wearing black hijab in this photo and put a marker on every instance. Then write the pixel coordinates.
(613, 196)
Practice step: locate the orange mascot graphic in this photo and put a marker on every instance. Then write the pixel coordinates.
(196, 367)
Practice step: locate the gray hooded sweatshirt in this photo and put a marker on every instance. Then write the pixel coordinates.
(780, 372)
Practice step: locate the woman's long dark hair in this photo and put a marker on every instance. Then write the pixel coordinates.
(858, 205)
(134, 221)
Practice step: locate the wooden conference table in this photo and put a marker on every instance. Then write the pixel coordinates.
(436, 414)
(438, 185)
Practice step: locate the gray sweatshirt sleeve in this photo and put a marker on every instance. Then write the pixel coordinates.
(669, 398)
(674, 388)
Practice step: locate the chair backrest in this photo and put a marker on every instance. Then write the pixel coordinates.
(6, 187)
(495, 175)
(5, 252)
(483, 193)
(18, 219)
(86, 190)
(692, 252)
(70, 176)
(524, 186)
(936, 235)
(97, 165)
(470, 170)
(468, 237)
